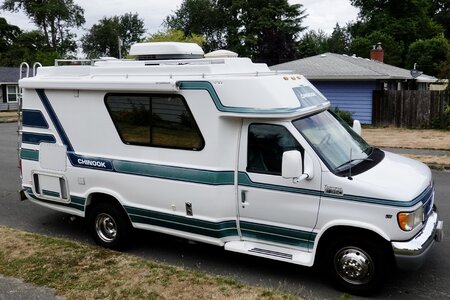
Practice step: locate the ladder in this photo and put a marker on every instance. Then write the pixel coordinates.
(23, 67)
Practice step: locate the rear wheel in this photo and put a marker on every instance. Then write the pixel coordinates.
(109, 226)
(357, 266)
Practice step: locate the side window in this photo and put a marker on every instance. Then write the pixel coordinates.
(11, 93)
(266, 144)
(154, 120)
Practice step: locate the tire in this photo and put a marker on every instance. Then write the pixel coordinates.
(358, 266)
(109, 226)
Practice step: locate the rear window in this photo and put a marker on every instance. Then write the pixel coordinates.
(154, 120)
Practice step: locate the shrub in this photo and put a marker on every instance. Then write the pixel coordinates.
(344, 115)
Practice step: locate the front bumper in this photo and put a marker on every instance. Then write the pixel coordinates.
(411, 255)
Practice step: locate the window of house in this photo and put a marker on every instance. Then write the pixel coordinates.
(12, 92)
(266, 145)
(154, 120)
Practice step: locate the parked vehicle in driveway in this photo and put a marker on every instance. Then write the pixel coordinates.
(223, 151)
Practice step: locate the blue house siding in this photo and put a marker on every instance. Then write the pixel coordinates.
(352, 96)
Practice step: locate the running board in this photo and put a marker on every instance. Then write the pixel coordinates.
(272, 252)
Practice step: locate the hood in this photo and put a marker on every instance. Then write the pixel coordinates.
(396, 178)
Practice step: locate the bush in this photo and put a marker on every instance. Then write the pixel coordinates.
(344, 115)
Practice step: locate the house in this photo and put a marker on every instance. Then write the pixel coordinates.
(9, 88)
(349, 81)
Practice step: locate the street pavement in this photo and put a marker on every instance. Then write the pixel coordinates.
(430, 282)
(15, 289)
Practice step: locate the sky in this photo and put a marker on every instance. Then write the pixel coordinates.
(322, 14)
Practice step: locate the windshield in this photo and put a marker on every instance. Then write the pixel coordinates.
(333, 140)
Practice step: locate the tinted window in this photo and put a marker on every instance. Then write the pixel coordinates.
(154, 120)
(266, 144)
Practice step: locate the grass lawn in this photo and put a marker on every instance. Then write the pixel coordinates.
(407, 138)
(413, 139)
(79, 271)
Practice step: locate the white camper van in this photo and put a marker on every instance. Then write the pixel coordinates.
(222, 151)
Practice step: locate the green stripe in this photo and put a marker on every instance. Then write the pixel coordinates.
(175, 173)
(222, 229)
(227, 178)
(423, 197)
(211, 229)
(207, 86)
(29, 154)
(50, 193)
(279, 235)
(75, 202)
(245, 180)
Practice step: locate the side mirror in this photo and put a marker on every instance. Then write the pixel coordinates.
(357, 127)
(292, 166)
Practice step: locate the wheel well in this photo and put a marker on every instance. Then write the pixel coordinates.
(97, 198)
(340, 232)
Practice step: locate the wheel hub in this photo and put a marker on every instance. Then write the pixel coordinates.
(354, 265)
(106, 227)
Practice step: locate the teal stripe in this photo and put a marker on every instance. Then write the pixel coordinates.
(29, 154)
(211, 229)
(245, 180)
(227, 178)
(423, 197)
(222, 229)
(207, 86)
(175, 173)
(279, 235)
(50, 193)
(77, 203)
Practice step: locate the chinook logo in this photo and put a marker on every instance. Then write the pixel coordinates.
(92, 163)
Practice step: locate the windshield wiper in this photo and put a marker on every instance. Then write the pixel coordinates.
(352, 160)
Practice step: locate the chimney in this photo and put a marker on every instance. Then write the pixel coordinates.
(377, 53)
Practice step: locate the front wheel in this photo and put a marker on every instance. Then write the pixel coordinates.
(357, 267)
(109, 226)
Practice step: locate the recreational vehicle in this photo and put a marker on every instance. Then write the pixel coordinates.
(221, 150)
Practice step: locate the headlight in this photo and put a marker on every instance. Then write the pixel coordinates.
(410, 220)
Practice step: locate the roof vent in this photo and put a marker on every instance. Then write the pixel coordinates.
(166, 50)
(221, 54)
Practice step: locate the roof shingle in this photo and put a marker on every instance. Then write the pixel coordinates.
(332, 66)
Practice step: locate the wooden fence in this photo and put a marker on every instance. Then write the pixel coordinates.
(410, 109)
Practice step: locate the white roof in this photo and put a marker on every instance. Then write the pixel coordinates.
(237, 86)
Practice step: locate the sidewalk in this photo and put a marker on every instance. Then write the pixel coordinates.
(15, 289)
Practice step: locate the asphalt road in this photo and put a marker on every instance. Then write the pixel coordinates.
(430, 282)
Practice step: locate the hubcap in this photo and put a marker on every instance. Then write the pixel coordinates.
(354, 265)
(106, 228)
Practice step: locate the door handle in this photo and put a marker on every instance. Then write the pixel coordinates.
(244, 199)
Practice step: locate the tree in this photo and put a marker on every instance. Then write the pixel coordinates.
(54, 17)
(431, 55)
(199, 17)
(103, 38)
(174, 35)
(17, 46)
(441, 14)
(266, 30)
(399, 21)
(339, 41)
(313, 43)
(8, 35)
(393, 49)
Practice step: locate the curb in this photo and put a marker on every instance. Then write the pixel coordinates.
(436, 167)
(9, 120)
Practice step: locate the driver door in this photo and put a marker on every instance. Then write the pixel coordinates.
(273, 209)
